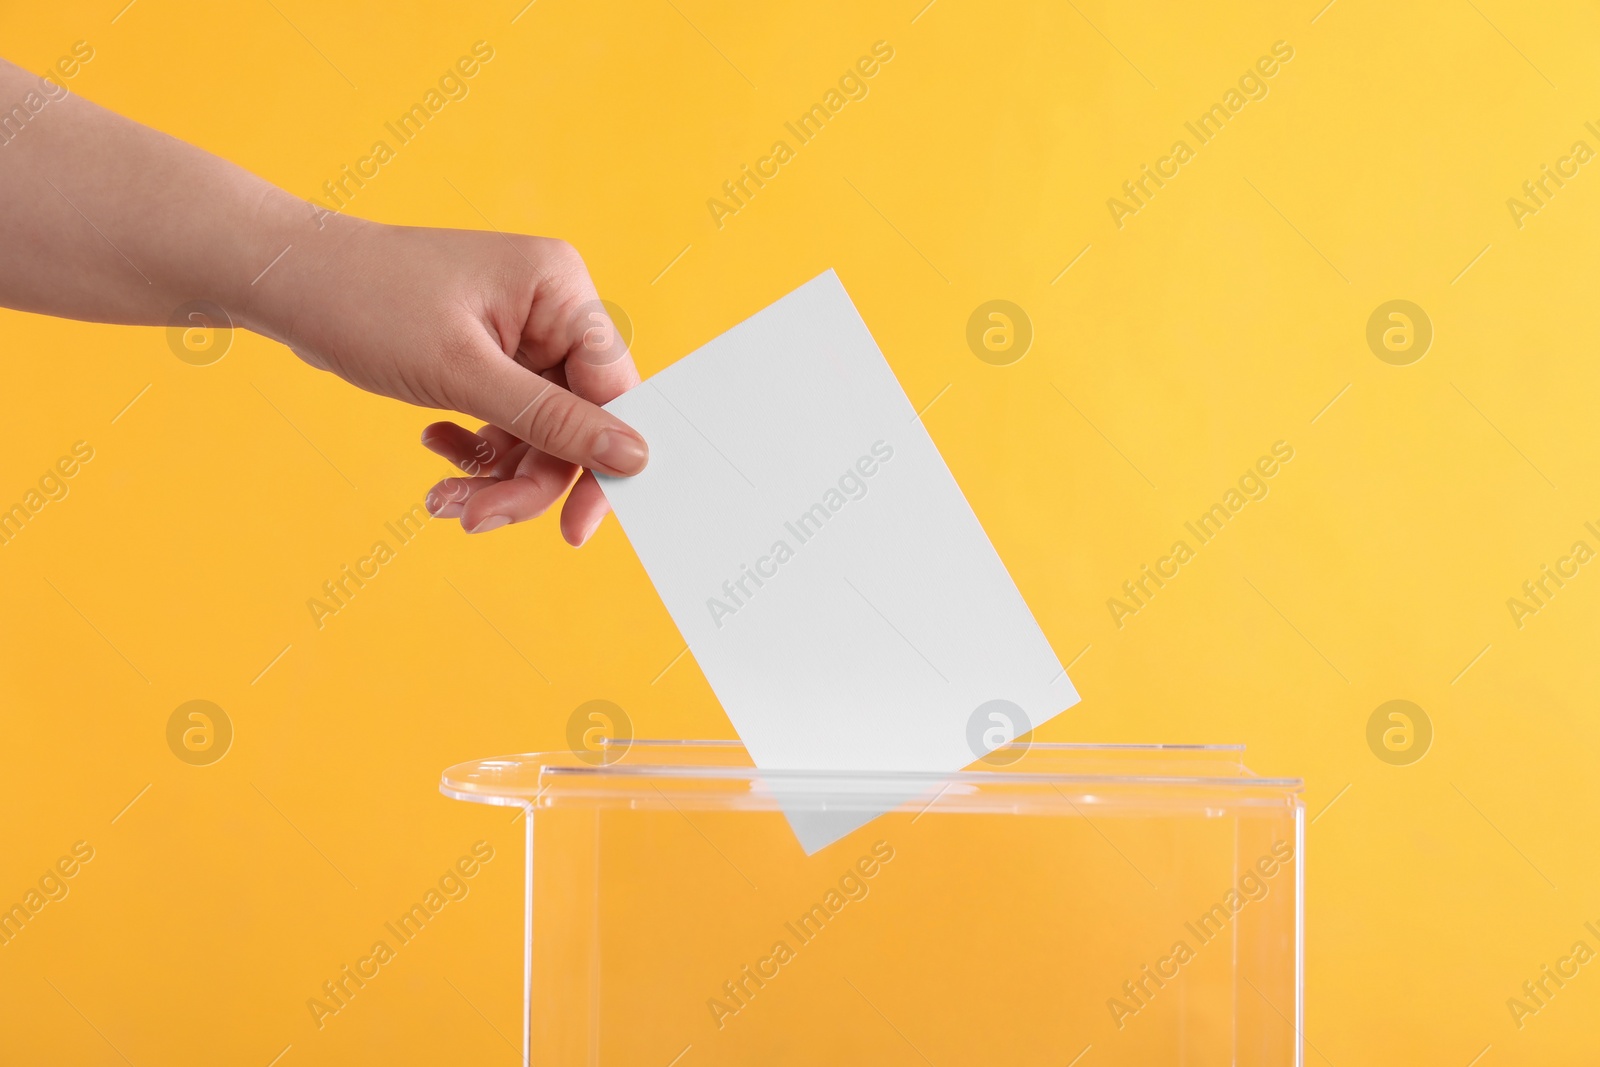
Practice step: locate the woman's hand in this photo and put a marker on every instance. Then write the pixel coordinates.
(506, 328)
(109, 221)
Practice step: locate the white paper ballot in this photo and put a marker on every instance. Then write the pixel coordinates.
(821, 562)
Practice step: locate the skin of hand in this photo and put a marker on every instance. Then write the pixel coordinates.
(509, 328)
(106, 220)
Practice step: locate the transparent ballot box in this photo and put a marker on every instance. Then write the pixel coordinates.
(1058, 904)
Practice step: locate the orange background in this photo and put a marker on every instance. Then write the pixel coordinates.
(1229, 313)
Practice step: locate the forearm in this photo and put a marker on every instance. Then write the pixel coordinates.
(106, 220)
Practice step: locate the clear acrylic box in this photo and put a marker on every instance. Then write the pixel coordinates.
(1089, 905)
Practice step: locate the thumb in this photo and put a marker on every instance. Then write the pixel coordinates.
(502, 392)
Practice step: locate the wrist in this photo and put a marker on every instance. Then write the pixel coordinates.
(284, 263)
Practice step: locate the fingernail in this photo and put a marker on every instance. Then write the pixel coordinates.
(620, 452)
(493, 522)
(583, 538)
(441, 507)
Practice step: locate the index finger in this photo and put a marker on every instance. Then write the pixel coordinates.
(571, 327)
(599, 367)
